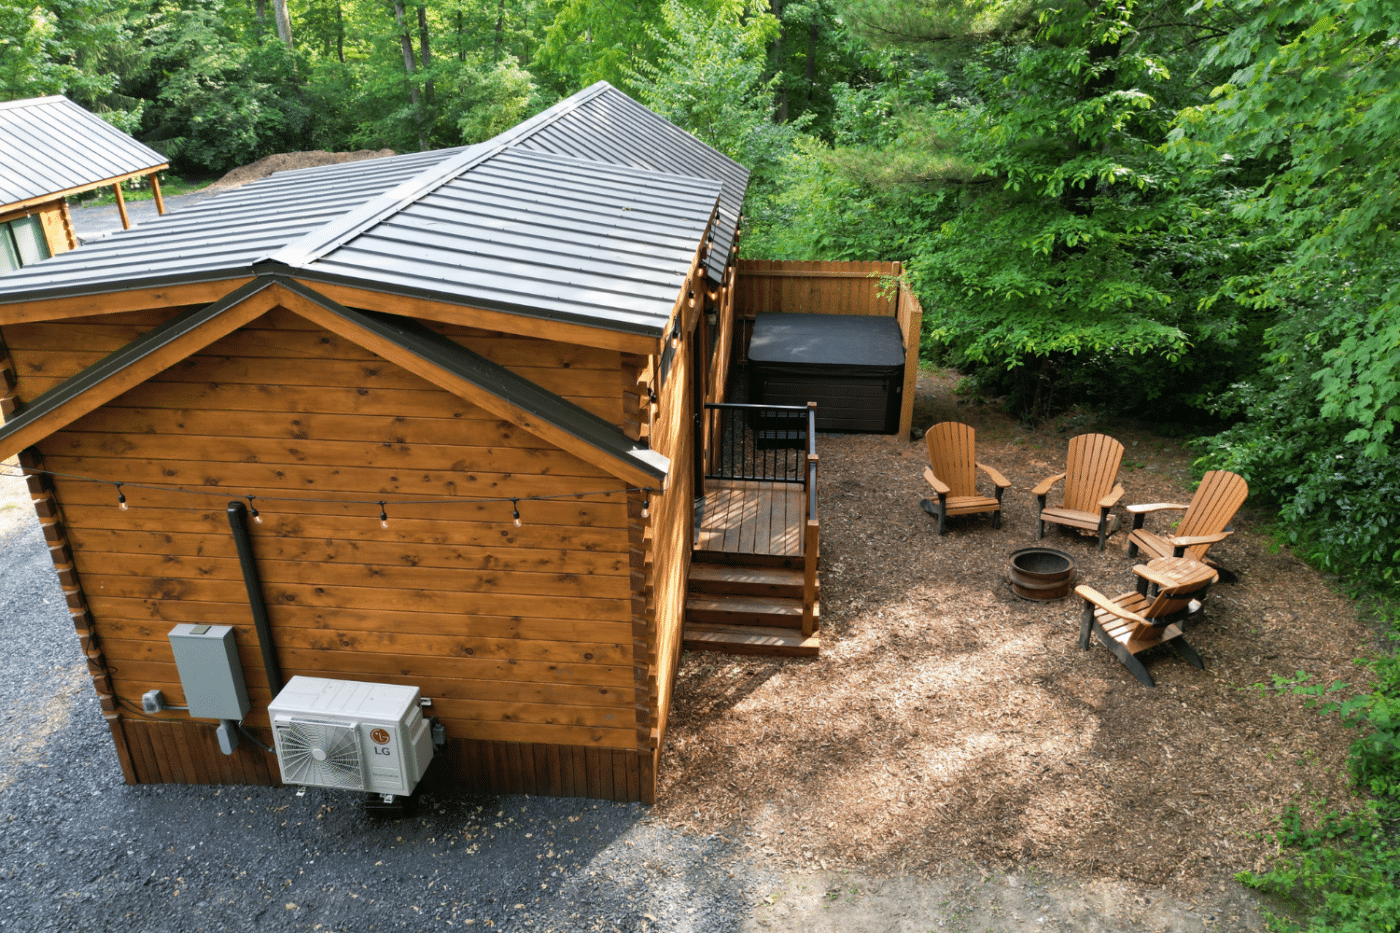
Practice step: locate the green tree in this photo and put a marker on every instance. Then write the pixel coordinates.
(598, 40)
(57, 47)
(1065, 267)
(1316, 92)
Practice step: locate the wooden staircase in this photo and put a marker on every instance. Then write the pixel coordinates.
(747, 604)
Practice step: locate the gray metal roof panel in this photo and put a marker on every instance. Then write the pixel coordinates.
(220, 237)
(502, 225)
(603, 124)
(647, 227)
(50, 144)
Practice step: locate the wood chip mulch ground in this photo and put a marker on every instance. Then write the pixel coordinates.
(949, 722)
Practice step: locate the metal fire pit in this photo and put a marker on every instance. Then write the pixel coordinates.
(1041, 573)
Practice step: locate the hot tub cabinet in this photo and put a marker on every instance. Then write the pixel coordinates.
(851, 365)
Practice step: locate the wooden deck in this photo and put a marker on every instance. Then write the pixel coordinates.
(747, 517)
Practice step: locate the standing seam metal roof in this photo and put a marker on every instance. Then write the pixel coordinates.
(220, 237)
(550, 237)
(512, 230)
(50, 144)
(602, 124)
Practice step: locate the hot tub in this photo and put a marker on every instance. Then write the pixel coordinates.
(851, 365)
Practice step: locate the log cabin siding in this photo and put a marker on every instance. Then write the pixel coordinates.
(673, 527)
(520, 635)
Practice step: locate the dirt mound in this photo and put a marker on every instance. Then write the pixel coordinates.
(284, 161)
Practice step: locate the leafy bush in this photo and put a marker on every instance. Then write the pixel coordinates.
(1345, 870)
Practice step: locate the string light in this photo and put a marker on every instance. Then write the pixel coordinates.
(646, 503)
(382, 503)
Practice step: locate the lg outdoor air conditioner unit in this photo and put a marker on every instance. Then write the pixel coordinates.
(351, 736)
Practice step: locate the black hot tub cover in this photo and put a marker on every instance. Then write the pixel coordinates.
(812, 344)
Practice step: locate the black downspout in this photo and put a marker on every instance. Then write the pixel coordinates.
(238, 521)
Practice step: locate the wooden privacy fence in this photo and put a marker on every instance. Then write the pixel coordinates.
(800, 287)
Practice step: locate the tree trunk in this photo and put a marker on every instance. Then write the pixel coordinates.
(260, 14)
(425, 54)
(780, 100)
(339, 32)
(500, 27)
(284, 22)
(406, 44)
(812, 58)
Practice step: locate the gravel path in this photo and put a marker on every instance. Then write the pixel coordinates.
(79, 850)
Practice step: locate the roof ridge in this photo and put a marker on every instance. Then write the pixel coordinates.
(335, 233)
(32, 101)
(539, 121)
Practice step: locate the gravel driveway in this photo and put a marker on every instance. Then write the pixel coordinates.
(90, 222)
(80, 850)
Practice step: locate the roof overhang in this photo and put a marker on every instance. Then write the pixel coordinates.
(424, 352)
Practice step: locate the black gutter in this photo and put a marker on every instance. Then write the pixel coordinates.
(238, 521)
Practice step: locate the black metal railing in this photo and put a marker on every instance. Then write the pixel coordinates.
(759, 442)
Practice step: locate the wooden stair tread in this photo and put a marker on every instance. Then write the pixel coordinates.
(736, 572)
(772, 611)
(777, 605)
(757, 581)
(750, 639)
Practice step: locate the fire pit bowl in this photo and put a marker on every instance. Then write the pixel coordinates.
(1041, 573)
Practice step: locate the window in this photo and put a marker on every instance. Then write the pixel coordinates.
(22, 243)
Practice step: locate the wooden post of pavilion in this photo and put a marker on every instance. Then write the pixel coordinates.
(121, 205)
(155, 190)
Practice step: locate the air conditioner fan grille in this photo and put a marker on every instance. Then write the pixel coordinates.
(320, 753)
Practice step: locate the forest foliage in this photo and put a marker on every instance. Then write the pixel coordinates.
(1179, 210)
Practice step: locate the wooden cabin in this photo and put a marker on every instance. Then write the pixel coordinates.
(458, 391)
(50, 148)
(453, 420)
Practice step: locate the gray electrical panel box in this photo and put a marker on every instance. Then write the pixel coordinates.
(210, 671)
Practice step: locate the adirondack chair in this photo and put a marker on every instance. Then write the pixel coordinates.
(1091, 488)
(1169, 590)
(952, 455)
(1216, 501)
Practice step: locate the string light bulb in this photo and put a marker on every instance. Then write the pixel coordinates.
(253, 511)
(121, 498)
(515, 511)
(646, 503)
(383, 515)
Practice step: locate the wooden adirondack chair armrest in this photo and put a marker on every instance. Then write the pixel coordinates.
(1110, 500)
(1154, 507)
(1152, 576)
(938, 485)
(1140, 512)
(1094, 597)
(1044, 488)
(1001, 481)
(1193, 540)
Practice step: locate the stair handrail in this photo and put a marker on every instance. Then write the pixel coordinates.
(811, 532)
